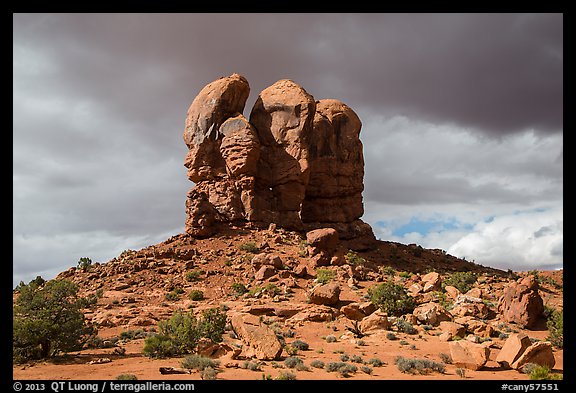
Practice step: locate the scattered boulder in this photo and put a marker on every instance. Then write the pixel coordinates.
(266, 271)
(432, 282)
(453, 292)
(521, 303)
(539, 353)
(515, 345)
(261, 341)
(352, 311)
(321, 245)
(431, 314)
(468, 354)
(378, 320)
(266, 259)
(325, 294)
(470, 306)
(455, 329)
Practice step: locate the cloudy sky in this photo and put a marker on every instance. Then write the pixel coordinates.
(462, 124)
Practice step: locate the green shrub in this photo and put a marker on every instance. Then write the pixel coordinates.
(330, 338)
(172, 296)
(391, 298)
(301, 345)
(47, 319)
(555, 324)
(193, 275)
(180, 334)
(461, 280)
(292, 361)
(391, 336)
(366, 369)
(253, 366)
(354, 259)
(198, 362)
(387, 270)
(209, 374)
(543, 373)
(285, 376)
(317, 363)
(446, 358)
(375, 362)
(239, 289)
(406, 274)
(250, 247)
(84, 263)
(195, 295)
(420, 366)
(461, 372)
(405, 326)
(324, 276)
(126, 377)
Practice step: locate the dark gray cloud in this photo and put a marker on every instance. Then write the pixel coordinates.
(457, 108)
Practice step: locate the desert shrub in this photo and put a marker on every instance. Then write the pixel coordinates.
(405, 326)
(292, 362)
(391, 298)
(131, 334)
(390, 336)
(253, 366)
(193, 275)
(387, 271)
(209, 374)
(126, 377)
(555, 324)
(301, 345)
(543, 373)
(403, 342)
(344, 357)
(250, 247)
(420, 366)
(84, 263)
(330, 338)
(375, 362)
(239, 289)
(198, 362)
(180, 334)
(461, 372)
(461, 280)
(406, 274)
(47, 319)
(272, 290)
(446, 358)
(195, 295)
(366, 369)
(285, 376)
(317, 363)
(354, 259)
(324, 276)
(356, 359)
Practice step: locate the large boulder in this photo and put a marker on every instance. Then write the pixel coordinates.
(521, 303)
(325, 294)
(468, 354)
(539, 352)
(515, 345)
(431, 314)
(261, 341)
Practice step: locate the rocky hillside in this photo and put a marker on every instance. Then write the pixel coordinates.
(281, 288)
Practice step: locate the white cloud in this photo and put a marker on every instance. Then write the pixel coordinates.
(525, 239)
(497, 201)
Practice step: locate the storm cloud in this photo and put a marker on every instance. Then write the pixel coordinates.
(462, 123)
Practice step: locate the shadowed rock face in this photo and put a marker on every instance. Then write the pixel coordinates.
(297, 162)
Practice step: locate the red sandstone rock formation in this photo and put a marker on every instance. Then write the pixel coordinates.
(297, 163)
